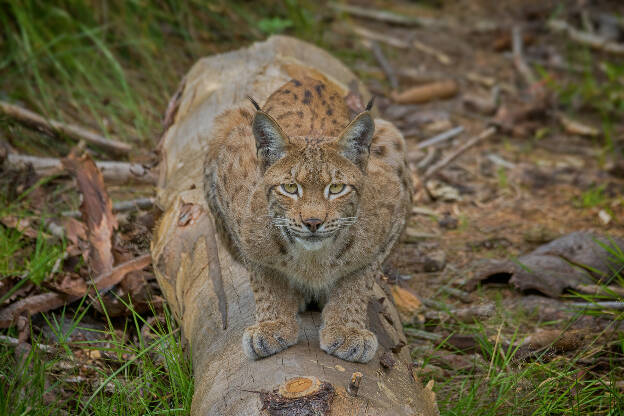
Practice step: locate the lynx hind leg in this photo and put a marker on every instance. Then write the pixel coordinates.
(344, 333)
(276, 325)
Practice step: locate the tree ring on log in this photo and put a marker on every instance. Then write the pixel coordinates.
(299, 387)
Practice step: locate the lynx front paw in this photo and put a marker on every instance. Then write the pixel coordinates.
(348, 343)
(268, 338)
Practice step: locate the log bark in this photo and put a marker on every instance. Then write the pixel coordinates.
(209, 291)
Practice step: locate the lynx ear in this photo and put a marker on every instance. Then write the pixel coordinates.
(270, 138)
(355, 140)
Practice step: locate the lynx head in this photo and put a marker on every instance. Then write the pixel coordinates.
(313, 184)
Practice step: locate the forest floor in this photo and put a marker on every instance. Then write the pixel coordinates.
(498, 337)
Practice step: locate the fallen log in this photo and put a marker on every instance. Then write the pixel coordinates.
(209, 291)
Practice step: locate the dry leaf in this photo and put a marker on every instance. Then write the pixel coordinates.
(407, 303)
(96, 208)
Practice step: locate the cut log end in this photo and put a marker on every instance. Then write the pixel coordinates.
(299, 396)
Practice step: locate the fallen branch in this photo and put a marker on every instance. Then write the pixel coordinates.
(585, 38)
(446, 135)
(117, 172)
(576, 127)
(56, 128)
(383, 15)
(49, 301)
(385, 65)
(440, 56)
(460, 150)
(598, 290)
(121, 206)
(615, 305)
(400, 43)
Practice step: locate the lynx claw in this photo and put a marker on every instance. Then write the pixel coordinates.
(268, 338)
(348, 343)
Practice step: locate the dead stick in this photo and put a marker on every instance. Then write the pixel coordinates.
(383, 15)
(586, 38)
(449, 134)
(604, 291)
(389, 40)
(460, 150)
(617, 305)
(385, 65)
(400, 43)
(55, 128)
(49, 301)
(518, 57)
(14, 342)
(121, 206)
(118, 172)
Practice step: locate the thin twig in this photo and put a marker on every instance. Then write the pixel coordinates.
(56, 128)
(460, 150)
(385, 65)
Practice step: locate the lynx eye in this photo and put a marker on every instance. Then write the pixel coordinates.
(290, 188)
(336, 188)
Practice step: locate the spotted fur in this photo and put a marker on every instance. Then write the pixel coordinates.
(311, 143)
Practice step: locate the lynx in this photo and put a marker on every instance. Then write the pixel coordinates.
(311, 203)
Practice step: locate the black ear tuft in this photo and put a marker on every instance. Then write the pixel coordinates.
(255, 104)
(356, 139)
(370, 104)
(270, 138)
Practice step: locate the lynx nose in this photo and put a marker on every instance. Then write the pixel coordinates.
(312, 223)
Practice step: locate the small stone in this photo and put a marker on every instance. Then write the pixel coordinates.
(442, 191)
(448, 222)
(435, 261)
(604, 216)
(539, 234)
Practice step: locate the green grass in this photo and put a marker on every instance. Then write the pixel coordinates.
(593, 197)
(114, 65)
(598, 91)
(546, 385)
(136, 376)
(111, 66)
(551, 383)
